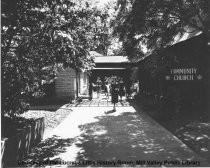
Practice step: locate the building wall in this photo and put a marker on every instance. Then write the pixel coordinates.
(65, 84)
(176, 94)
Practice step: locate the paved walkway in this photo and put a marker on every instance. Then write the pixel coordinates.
(89, 137)
(103, 101)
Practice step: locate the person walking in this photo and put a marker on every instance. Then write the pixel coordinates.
(98, 86)
(90, 91)
(114, 93)
(107, 86)
(121, 89)
(128, 88)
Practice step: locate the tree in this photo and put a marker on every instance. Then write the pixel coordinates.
(36, 36)
(155, 23)
(24, 53)
(102, 29)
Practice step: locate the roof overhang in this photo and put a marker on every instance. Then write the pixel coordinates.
(111, 59)
(108, 68)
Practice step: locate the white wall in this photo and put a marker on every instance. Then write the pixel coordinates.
(65, 84)
(84, 83)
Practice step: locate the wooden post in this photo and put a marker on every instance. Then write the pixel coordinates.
(208, 77)
(77, 85)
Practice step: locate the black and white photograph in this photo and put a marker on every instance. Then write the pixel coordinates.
(105, 83)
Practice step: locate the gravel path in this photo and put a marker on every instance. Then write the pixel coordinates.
(52, 116)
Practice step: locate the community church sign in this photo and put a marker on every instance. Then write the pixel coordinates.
(183, 74)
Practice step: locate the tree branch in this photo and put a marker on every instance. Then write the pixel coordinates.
(197, 12)
(8, 44)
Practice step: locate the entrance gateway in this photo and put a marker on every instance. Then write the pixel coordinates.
(106, 66)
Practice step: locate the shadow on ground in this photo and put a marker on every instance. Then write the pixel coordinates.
(124, 138)
(128, 138)
(46, 153)
(197, 136)
(46, 107)
(191, 127)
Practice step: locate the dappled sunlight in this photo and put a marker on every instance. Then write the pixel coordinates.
(126, 136)
(197, 136)
(69, 154)
(48, 150)
(73, 121)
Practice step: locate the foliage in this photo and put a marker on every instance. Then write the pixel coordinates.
(24, 51)
(155, 23)
(36, 36)
(103, 39)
